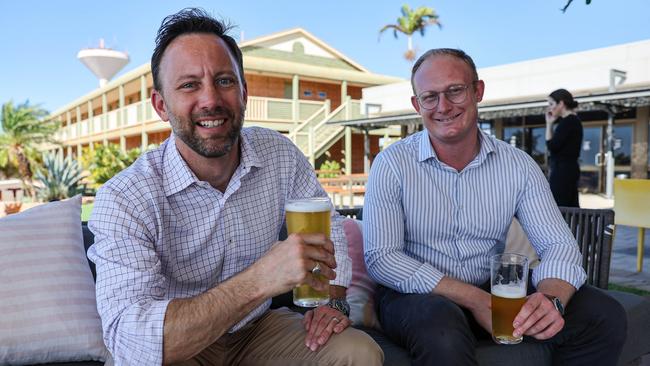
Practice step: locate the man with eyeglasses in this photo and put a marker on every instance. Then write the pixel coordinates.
(439, 203)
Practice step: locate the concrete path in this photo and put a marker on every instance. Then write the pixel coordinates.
(623, 268)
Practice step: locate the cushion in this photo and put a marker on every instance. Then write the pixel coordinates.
(361, 292)
(637, 309)
(517, 242)
(48, 311)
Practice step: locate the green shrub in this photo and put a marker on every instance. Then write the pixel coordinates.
(106, 161)
(59, 178)
(329, 169)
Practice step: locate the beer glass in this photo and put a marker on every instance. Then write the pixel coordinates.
(509, 278)
(309, 216)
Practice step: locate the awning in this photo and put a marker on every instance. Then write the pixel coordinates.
(593, 102)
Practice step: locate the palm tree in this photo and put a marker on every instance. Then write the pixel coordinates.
(22, 129)
(413, 21)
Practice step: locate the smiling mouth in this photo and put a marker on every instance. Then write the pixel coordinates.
(211, 123)
(444, 120)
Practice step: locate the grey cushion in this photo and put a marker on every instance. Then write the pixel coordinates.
(638, 323)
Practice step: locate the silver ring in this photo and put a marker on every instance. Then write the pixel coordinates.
(316, 270)
(335, 318)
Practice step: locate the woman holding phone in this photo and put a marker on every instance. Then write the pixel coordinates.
(563, 141)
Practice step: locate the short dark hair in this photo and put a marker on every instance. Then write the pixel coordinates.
(563, 95)
(191, 20)
(459, 54)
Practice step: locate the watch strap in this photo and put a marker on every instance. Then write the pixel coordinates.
(557, 303)
(340, 305)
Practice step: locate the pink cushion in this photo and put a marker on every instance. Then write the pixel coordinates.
(360, 294)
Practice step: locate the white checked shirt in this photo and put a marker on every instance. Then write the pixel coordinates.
(161, 234)
(423, 220)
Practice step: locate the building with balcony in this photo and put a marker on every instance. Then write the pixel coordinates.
(296, 85)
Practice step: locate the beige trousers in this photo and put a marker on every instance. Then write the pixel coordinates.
(278, 339)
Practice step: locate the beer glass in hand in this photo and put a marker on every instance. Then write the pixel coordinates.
(309, 216)
(509, 278)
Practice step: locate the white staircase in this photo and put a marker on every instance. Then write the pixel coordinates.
(315, 135)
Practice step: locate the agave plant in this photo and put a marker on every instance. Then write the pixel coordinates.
(59, 177)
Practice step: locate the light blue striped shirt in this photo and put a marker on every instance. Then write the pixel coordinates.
(424, 220)
(161, 234)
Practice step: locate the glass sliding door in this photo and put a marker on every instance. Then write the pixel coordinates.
(591, 160)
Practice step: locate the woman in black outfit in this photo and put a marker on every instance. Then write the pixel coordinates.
(563, 143)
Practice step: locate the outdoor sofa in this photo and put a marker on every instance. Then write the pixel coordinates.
(592, 226)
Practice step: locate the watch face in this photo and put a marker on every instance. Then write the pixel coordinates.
(340, 305)
(558, 305)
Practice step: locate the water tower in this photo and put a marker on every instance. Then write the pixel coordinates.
(103, 62)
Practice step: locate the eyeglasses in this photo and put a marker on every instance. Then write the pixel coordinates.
(455, 94)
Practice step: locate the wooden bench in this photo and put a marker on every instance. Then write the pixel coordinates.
(344, 186)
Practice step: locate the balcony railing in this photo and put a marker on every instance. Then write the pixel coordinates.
(258, 109)
(280, 110)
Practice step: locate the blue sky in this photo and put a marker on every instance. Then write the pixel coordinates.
(40, 39)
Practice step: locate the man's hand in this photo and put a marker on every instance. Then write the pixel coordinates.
(538, 318)
(289, 263)
(320, 323)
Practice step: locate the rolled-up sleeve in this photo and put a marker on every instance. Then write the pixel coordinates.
(383, 235)
(130, 286)
(548, 232)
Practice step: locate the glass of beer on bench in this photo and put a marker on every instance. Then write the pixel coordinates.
(509, 278)
(309, 216)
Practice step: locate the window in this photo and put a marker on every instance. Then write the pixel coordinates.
(322, 95)
(514, 136)
(307, 93)
(622, 144)
(590, 145)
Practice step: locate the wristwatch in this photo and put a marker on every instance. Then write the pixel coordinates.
(340, 305)
(557, 303)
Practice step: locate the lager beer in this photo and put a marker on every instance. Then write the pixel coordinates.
(506, 303)
(309, 216)
(509, 278)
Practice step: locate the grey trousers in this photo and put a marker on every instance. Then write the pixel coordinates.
(278, 339)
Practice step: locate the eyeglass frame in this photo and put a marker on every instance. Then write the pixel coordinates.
(444, 92)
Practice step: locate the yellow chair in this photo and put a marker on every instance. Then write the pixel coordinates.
(632, 208)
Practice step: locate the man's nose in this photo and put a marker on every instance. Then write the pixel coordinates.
(210, 96)
(443, 103)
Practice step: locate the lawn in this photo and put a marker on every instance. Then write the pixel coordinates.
(636, 291)
(86, 209)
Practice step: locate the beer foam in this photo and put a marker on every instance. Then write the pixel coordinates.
(308, 205)
(509, 291)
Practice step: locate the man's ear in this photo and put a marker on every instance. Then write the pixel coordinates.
(158, 104)
(479, 90)
(414, 102)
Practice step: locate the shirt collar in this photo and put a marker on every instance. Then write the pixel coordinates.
(426, 151)
(249, 157)
(178, 175)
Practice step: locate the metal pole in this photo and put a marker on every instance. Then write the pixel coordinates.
(366, 151)
(609, 155)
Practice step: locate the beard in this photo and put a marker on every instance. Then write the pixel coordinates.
(212, 147)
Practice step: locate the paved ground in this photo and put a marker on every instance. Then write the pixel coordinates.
(623, 268)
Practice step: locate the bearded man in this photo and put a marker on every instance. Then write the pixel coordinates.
(186, 239)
